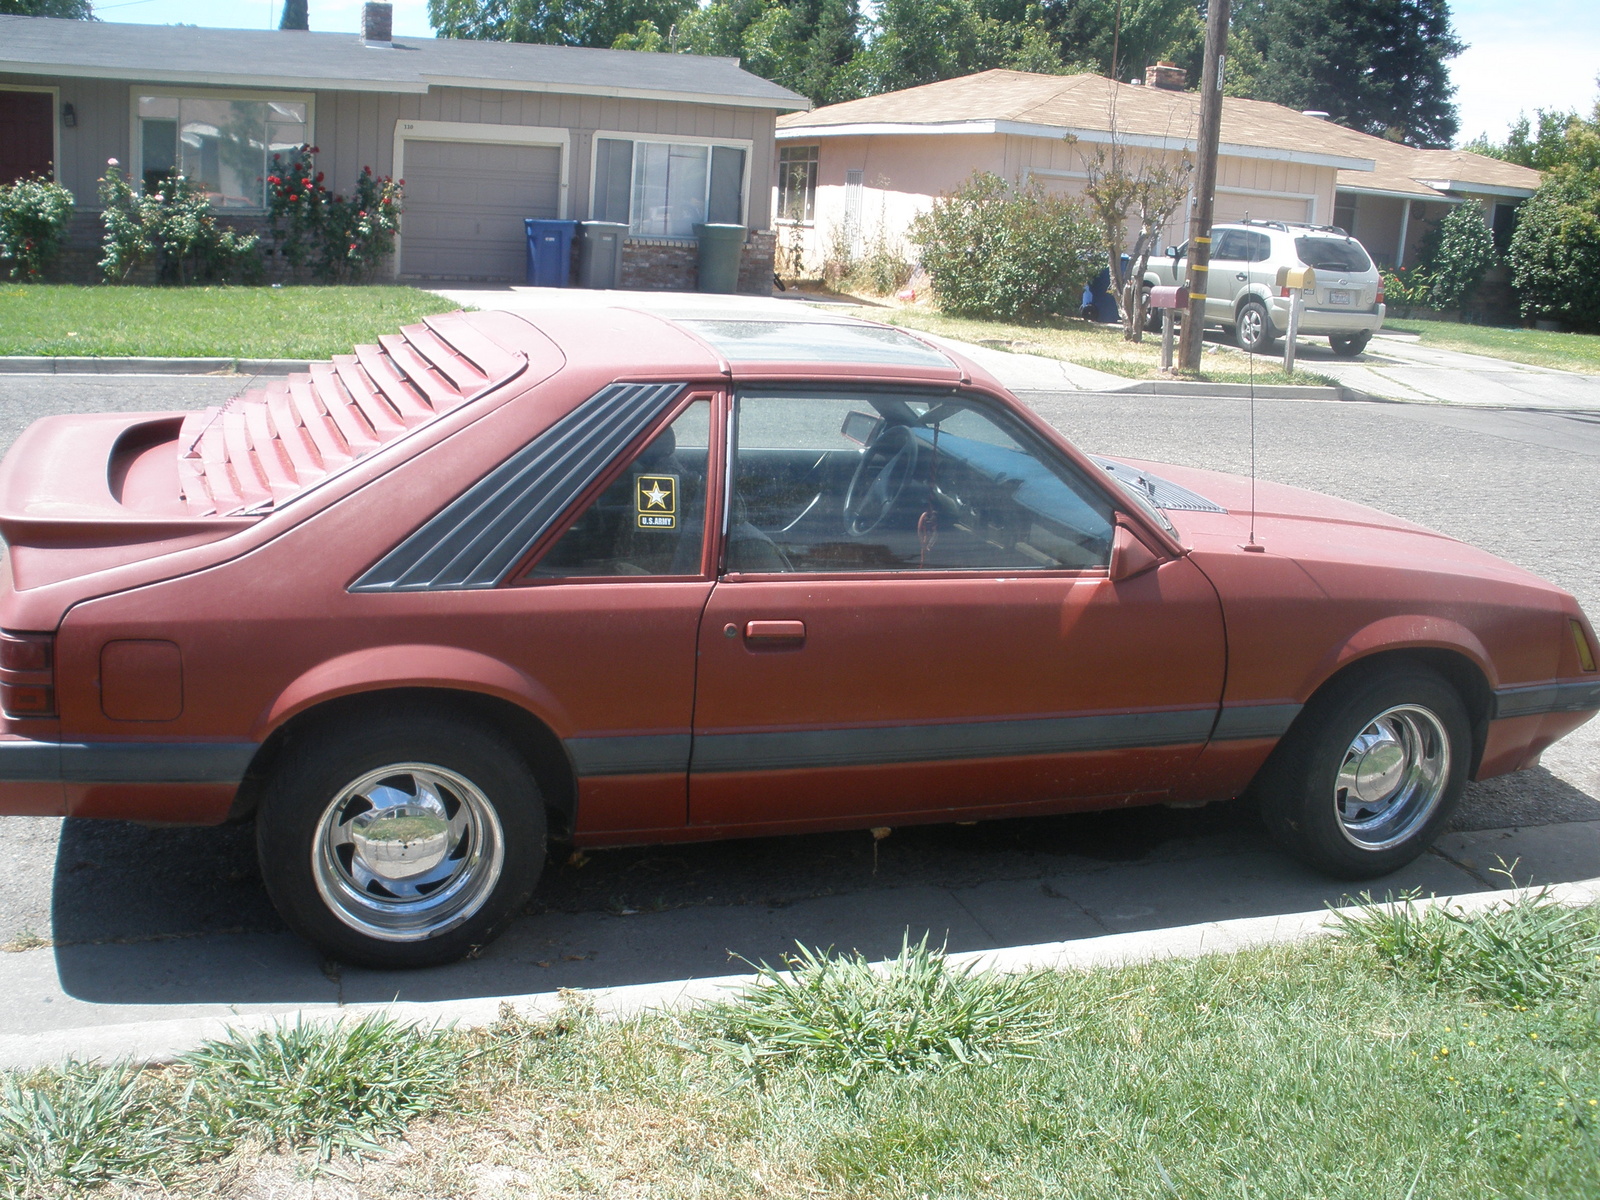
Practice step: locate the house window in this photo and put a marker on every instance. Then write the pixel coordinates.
(224, 146)
(797, 184)
(665, 189)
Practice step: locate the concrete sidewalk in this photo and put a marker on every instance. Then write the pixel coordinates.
(74, 997)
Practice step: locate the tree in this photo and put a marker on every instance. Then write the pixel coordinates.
(72, 10)
(1141, 186)
(1374, 65)
(1555, 251)
(1139, 32)
(803, 45)
(594, 23)
(296, 15)
(914, 42)
(1462, 255)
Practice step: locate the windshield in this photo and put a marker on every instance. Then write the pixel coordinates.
(1332, 254)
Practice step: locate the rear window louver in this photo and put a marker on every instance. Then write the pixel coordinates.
(270, 443)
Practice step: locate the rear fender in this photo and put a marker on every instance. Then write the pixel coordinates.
(412, 666)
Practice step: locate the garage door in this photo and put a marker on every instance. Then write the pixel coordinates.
(464, 206)
(1231, 206)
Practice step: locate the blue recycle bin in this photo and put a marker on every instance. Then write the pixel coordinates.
(549, 251)
(1098, 302)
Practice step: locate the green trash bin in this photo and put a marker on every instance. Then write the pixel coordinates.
(719, 256)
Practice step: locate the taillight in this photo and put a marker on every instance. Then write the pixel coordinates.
(27, 674)
(1379, 300)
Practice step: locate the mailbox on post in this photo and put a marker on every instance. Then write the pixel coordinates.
(1295, 283)
(1170, 300)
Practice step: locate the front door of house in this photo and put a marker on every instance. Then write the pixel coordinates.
(27, 135)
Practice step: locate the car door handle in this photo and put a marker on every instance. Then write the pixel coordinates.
(788, 631)
(1242, 275)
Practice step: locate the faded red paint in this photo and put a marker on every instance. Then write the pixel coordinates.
(233, 536)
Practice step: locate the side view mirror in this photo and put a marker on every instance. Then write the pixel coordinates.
(1129, 555)
(1174, 252)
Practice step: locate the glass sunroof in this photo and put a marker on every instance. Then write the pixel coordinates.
(816, 342)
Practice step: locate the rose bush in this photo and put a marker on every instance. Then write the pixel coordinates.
(324, 233)
(33, 220)
(172, 228)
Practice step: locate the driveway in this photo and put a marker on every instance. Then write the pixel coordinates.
(1399, 367)
(130, 924)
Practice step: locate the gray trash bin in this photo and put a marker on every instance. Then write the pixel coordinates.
(600, 254)
(719, 256)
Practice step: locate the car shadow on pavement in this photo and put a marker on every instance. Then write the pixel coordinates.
(163, 916)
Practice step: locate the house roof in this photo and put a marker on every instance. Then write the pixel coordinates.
(1407, 171)
(44, 46)
(1083, 106)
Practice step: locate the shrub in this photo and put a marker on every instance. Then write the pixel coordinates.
(1555, 251)
(325, 233)
(992, 250)
(1462, 254)
(173, 229)
(33, 219)
(1406, 289)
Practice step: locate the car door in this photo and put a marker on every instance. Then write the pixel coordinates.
(1228, 275)
(915, 618)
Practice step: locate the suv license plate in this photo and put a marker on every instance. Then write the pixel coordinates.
(1335, 296)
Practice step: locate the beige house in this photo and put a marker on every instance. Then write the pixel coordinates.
(851, 173)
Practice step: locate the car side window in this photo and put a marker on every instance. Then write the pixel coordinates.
(903, 482)
(1260, 247)
(1233, 244)
(651, 519)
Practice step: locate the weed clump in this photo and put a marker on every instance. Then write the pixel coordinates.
(1524, 951)
(842, 1017)
(336, 1087)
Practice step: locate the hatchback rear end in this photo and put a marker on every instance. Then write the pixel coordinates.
(1346, 303)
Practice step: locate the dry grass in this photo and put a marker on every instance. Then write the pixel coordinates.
(1099, 347)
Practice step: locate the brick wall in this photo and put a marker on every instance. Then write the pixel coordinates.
(671, 264)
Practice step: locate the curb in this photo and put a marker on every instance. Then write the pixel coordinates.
(163, 1041)
(23, 365)
(1281, 391)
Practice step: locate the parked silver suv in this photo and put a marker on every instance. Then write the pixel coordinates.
(1243, 293)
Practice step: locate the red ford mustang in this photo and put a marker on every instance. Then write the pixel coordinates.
(623, 579)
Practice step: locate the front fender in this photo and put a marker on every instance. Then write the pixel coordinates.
(1408, 631)
(423, 666)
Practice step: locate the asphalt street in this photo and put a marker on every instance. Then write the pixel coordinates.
(116, 918)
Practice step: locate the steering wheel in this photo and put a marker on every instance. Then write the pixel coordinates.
(886, 466)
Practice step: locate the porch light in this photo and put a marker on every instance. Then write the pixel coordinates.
(69, 116)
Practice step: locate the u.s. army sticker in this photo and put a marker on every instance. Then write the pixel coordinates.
(657, 497)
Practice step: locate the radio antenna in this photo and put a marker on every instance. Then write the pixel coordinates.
(1252, 544)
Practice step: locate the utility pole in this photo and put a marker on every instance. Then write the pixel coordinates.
(1205, 185)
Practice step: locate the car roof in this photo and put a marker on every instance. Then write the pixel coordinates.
(723, 340)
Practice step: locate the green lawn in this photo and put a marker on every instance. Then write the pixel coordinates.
(203, 322)
(1414, 1059)
(1567, 351)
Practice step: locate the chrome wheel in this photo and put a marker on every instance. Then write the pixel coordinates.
(1252, 327)
(407, 852)
(1392, 776)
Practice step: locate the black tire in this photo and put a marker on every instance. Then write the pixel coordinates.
(449, 793)
(1152, 316)
(1349, 345)
(1252, 330)
(1345, 736)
